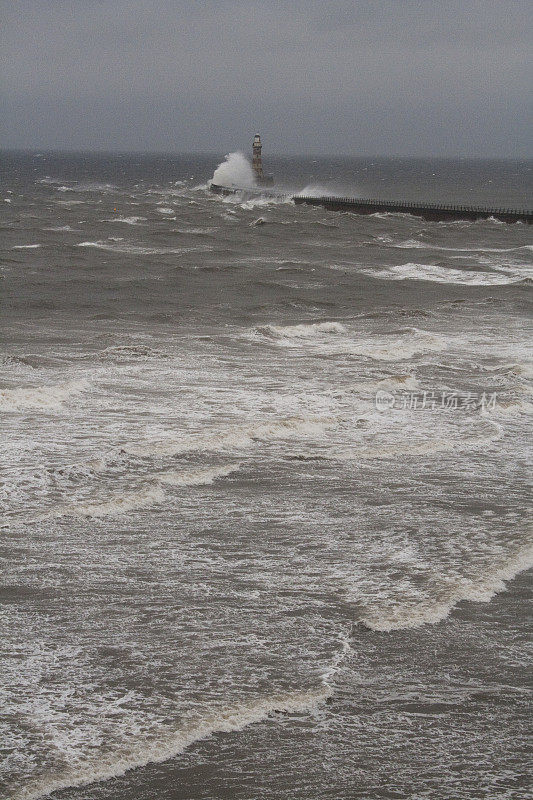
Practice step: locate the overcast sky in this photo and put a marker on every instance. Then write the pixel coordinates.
(357, 77)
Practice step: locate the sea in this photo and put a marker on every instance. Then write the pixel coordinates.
(265, 482)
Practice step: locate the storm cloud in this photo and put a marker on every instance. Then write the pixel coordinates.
(391, 77)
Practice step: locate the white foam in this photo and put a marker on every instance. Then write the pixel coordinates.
(165, 210)
(480, 589)
(236, 438)
(146, 495)
(416, 243)
(258, 202)
(438, 274)
(25, 246)
(235, 170)
(300, 331)
(196, 477)
(40, 397)
(62, 229)
(136, 250)
(119, 504)
(129, 220)
(383, 347)
(222, 718)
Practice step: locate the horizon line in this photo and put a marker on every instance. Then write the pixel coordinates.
(35, 151)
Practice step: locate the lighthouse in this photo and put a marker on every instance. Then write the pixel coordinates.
(260, 178)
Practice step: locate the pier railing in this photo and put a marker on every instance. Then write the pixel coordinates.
(364, 205)
(429, 210)
(364, 201)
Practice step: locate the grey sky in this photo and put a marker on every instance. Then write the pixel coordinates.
(360, 77)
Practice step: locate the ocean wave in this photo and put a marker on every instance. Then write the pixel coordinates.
(417, 244)
(15, 361)
(127, 220)
(479, 589)
(62, 229)
(196, 477)
(196, 231)
(333, 338)
(426, 447)
(119, 504)
(438, 274)
(300, 331)
(40, 397)
(236, 438)
(400, 436)
(221, 718)
(26, 246)
(405, 381)
(131, 352)
(145, 496)
(260, 202)
(87, 186)
(136, 250)
(70, 202)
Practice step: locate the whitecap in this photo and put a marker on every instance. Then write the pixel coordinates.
(438, 274)
(220, 718)
(40, 397)
(144, 496)
(479, 589)
(303, 331)
(235, 438)
(126, 220)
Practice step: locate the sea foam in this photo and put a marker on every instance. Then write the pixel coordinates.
(40, 397)
(222, 718)
(480, 589)
(238, 437)
(144, 496)
(438, 274)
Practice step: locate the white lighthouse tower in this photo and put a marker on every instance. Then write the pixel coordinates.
(260, 178)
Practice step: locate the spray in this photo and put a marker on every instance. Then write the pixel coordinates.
(235, 170)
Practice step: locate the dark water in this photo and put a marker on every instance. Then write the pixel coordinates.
(265, 480)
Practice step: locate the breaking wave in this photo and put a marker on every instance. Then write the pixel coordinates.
(136, 250)
(40, 397)
(481, 589)
(237, 438)
(147, 495)
(332, 338)
(437, 274)
(222, 718)
(127, 220)
(300, 331)
(235, 170)
(129, 352)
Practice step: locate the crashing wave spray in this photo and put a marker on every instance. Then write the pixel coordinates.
(235, 170)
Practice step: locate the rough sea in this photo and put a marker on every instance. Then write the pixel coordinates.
(265, 484)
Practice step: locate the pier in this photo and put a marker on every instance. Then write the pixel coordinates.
(434, 212)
